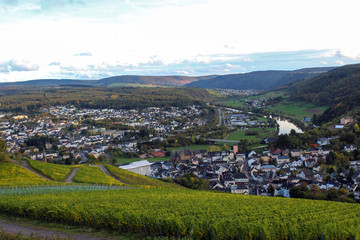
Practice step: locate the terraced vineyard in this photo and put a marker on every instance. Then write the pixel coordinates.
(14, 175)
(189, 213)
(53, 171)
(93, 175)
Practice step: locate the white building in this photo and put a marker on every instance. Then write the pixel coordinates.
(139, 167)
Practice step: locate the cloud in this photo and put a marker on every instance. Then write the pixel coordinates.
(58, 3)
(183, 72)
(54, 64)
(15, 65)
(323, 62)
(83, 54)
(248, 60)
(340, 62)
(4, 67)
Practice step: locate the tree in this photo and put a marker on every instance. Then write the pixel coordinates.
(356, 128)
(4, 156)
(213, 148)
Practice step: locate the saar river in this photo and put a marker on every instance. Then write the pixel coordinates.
(286, 126)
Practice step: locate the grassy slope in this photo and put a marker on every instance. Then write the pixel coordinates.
(299, 109)
(199, 214)
(14, 175)
(53, 171)
(94, 175)
(137, 179)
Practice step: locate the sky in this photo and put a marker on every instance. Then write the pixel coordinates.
(92, 39)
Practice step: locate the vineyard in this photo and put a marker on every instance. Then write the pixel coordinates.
(53, 171)
(189, 213)
(93, 175)
(14, 175)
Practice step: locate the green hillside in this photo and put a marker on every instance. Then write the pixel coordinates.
(53, 171)
(190, 213)
(259, 80)
(338, 88)
(12, 175)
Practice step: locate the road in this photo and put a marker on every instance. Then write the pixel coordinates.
(24, 164)
(72, 175)
(219, 124)
(28, 229)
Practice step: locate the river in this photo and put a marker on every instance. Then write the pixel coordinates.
(286, 126)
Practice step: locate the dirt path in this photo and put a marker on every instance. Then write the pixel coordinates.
(103, 168)
(72, 175)
(25, 164)
(29, 230)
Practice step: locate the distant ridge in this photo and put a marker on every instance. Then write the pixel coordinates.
(259, 80)
(338, 88)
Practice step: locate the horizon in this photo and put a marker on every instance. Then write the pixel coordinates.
(170, 75)
(89, 40)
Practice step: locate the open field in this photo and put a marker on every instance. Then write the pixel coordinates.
(262, 133)
(299, 109)
(131, 85)
(191, 147)
(165, 212)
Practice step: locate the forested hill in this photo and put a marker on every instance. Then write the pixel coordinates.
(259, 80)
(111, 81)
(338, 88)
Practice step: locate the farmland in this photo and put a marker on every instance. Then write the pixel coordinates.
(14, 175)
(53, 171)
(299, 109)
(165, 212)
(259, 134)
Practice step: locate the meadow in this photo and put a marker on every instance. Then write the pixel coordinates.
(261, 134)
(299, 110)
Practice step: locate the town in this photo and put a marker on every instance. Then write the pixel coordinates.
(72, 136)
(70, 133)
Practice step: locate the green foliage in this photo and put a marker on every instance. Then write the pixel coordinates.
(12, 174)
(337, 88)
(189, 213)
(4, 156)
(53, 171)
(94, 175)
(189, 180)
(315, 192)
(213, 148)
(21, 100)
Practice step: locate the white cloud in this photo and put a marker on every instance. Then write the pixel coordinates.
(83, 54)
(115, 36)
(340, 62)
(248, 60)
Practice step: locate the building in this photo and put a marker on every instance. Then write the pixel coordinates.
(139, 167)
(346, 120)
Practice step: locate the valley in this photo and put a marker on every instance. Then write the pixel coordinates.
(72, 155)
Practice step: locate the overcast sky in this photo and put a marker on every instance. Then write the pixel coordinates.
(92, 39)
